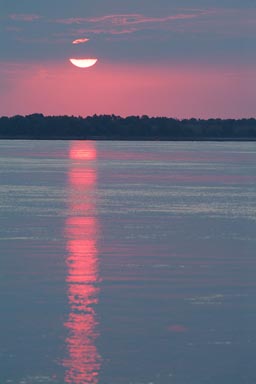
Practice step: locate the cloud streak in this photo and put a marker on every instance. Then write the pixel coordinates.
(129, 23)
(80, 41)
(24, 17)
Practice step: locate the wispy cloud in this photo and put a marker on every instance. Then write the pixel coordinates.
(24, 17)
(80, 41)
(129, 23)
(13, 29)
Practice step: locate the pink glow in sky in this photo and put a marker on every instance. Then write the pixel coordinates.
(178, 58)
(177, 91)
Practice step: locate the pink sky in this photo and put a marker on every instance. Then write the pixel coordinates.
(178, 58)
(128, 89)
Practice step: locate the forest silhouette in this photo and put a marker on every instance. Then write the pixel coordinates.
(112, 127)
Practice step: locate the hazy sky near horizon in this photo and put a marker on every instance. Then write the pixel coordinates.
(178, 58)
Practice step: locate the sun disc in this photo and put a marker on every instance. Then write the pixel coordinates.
(83, 63)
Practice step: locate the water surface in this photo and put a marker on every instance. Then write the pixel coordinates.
(127, 262)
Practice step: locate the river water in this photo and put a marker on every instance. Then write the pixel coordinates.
(127, 262)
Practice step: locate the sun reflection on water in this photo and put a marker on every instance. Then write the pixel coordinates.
(83, 361)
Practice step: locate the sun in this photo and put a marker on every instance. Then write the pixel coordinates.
(83, 63)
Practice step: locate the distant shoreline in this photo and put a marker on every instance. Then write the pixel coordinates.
(130, 128)
(212, 139)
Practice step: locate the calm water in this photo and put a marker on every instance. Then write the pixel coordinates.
(127, 262)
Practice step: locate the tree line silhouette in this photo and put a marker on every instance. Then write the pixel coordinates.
(112, 127)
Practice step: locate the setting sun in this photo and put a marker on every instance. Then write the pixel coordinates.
(83, 63)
